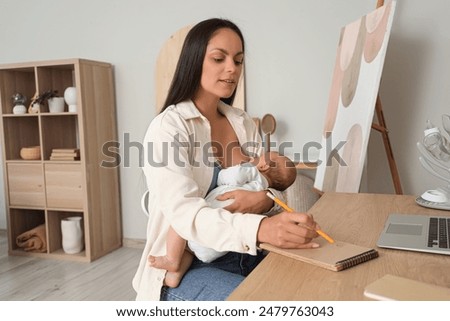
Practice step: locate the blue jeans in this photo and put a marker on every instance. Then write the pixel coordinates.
(212, 281)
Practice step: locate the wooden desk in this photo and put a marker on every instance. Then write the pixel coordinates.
(354, 218)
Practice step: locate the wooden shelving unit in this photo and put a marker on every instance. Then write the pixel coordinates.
(45, 191)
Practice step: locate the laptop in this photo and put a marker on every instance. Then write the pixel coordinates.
(422, 233)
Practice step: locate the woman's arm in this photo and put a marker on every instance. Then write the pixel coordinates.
(247, 201)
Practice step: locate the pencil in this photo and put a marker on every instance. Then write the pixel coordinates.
(287, 208)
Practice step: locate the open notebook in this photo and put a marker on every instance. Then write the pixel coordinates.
(336, 257)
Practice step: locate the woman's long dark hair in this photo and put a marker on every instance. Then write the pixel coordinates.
(186, 79)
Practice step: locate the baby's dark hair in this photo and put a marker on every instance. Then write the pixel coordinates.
(282, 172)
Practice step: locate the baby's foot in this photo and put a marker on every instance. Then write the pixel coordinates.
(174, 275)
(164, 263)
(173, 279)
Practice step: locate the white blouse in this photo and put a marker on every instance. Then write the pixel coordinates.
(178, 165)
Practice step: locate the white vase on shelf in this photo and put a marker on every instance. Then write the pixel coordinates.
(19, 109)
(70, 96)
(72, 235)
(56, 104)
(18, 102)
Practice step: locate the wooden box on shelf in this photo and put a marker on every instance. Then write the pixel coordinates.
(51, 160)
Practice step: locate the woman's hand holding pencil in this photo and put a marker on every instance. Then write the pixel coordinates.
(288, 209)
(288, 230)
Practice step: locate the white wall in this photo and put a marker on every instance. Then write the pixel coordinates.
(415, 87)
(291, 46)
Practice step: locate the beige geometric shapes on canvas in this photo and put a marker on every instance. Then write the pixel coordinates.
(331, 174)
(335, 94)
(360, 38)
(353, 44)
(349, 40)
(376, 26)
(343, 172)
(355, 83)
(349, 175)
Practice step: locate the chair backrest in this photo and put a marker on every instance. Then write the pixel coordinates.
(144, 202)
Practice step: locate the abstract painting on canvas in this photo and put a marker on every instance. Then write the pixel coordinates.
(355, 84)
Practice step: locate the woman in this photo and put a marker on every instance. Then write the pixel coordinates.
(196, 133)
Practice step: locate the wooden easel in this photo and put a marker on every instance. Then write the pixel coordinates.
(381, 127)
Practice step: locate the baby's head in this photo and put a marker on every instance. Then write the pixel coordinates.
(278, 169)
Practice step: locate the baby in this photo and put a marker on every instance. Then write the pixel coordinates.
(272, 170)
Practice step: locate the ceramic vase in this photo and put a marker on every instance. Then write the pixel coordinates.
(72, 235)
(19, 109)
(56, 104)
(18, 101)
(70, 96)
(34, 108)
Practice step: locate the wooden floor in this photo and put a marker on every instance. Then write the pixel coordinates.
(107, 278)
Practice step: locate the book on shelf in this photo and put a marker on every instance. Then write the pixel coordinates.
(65, 154)
(68, 158)
(65, 150)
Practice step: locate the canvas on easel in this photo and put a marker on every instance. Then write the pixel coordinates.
(354, 91)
